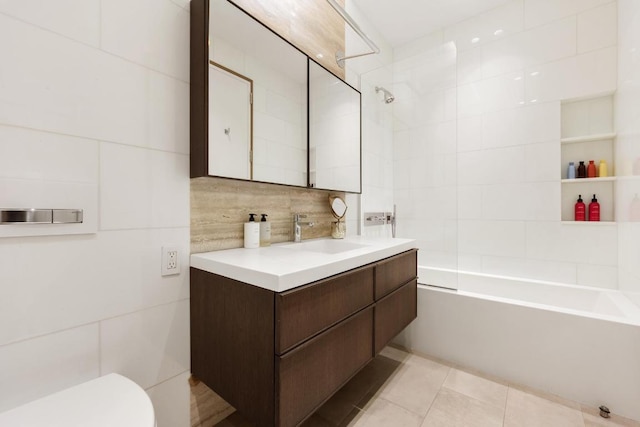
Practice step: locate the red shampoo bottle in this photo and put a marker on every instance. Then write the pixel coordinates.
(594, 209)
(580, 210)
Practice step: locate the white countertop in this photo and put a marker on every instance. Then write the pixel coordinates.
(284, 266)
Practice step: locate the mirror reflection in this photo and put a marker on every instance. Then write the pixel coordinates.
(334, 132)
(266, 139)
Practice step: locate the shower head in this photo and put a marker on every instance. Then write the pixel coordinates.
(388, 96)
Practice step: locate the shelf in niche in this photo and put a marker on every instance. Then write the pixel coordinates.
(590, 223)
(589, 180)
(629, 178)
(588, 138)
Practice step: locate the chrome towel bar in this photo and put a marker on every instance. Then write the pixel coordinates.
(40, 216)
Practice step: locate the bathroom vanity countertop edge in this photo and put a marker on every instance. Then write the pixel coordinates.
(285, 266)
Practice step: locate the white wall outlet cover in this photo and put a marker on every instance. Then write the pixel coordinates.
(170, 260)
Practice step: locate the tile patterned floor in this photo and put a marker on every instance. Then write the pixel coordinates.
(398, 389)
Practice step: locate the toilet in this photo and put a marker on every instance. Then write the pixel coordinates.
(108, 401)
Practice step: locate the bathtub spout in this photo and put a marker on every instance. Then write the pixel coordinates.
(605, 412)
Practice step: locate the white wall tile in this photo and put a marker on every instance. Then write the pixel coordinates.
(40, 366)
(530, 269)
(597, 28)
(168, 112)
(29, 154)
(502, 56)
(470, 202)
(571, 243)
(538, 12)
(502, 165)
(171, 401)
(76, 282)
(500, 238)
(575, 77)
(148, 346)
(470, 66)
(549, 42)
(158, 40)
(470, 133)
(142, 188)
(599, 276)
(542, 161)
(81, 25)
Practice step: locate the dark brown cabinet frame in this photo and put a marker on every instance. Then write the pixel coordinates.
(275, 360)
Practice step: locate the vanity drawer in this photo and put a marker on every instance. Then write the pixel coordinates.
(312, 372)
(303, 312)
(394, 312)
(395, 271)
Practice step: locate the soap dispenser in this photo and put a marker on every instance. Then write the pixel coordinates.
(251, 233)
(594, 209)
(265, 231)
(580, 209)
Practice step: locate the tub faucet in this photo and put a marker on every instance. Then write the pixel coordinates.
(297, 227)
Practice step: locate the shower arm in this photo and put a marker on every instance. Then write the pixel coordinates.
(340, 58)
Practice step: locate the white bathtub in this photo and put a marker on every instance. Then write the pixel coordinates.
(573, 341)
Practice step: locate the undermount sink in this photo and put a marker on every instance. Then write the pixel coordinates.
(325, 246)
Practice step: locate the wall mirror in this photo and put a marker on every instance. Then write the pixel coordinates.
(255, 108)
(334, 132)
(254, 112)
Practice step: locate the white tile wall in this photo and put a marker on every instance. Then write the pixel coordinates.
(94, 108)
(148, 346)
(508, 129)
(82, 25)
(142, 37)
(35, 368)
(627, 125)
(171, 401)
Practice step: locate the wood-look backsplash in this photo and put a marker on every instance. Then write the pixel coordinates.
(220, 207)
(311, 25)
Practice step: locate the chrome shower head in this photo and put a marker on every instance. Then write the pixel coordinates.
(388, 96)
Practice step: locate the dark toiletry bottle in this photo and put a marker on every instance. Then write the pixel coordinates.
(582, 170)
(580, 209)
(591, 170)
(594, 209)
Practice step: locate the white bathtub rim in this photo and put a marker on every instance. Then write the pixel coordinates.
(520, 303)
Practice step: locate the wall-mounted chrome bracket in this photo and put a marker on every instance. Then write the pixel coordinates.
(40, 216)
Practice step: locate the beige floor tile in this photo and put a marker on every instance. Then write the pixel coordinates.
(382, 413)
(527, 410)
(452, 409)
(592, 418)
(415, 384)
(394, 353)
(477, 387)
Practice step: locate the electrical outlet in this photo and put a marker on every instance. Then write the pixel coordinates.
(170, 261)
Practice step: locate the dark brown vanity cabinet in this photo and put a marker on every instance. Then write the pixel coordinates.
(277, 357)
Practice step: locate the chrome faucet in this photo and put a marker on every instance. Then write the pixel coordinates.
(297, 227)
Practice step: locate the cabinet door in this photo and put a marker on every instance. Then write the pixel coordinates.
(395, 271)
(308, 310)
(312, 372)
(394, 312)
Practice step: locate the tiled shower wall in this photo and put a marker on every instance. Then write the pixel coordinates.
(101, 87)
(529, 55)
(628, 126)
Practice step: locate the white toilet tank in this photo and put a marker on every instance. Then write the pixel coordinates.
(109, 401)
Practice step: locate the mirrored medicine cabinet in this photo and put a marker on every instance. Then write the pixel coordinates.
(262, 110)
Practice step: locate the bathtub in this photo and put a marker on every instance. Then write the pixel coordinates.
(572, 341)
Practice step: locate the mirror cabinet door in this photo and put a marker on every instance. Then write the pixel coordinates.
(334, 132)
(272, 145)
